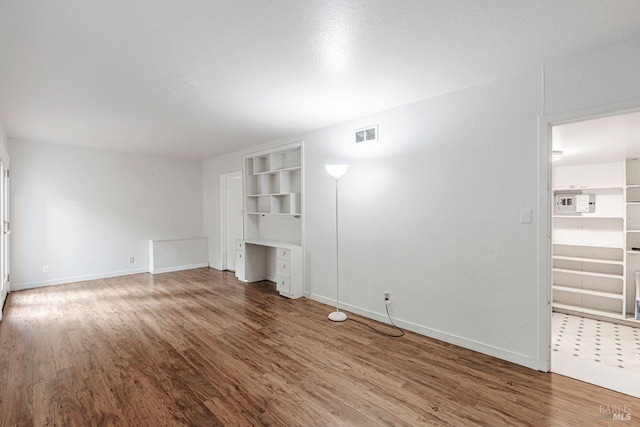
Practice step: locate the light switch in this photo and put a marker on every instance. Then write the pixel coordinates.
(525, 216)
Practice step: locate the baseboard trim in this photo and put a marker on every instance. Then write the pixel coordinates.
(490, 350)
(53, 282)
(179, 268)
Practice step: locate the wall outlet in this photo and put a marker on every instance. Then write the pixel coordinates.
(45, 268)
(387, 295)
(132, 259)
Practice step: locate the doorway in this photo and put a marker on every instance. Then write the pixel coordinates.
(595, 251)
(231, 228)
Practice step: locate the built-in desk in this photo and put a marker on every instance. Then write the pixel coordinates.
(252, 257)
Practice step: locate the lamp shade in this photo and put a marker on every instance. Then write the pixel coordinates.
(336, 171)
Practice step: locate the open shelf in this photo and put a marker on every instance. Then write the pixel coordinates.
(587, 216)
(588, 292)
(586, 188)
(273, 214)
(592, 311)
(589, 245)
(593, 260)
(293, 168)
(588, 273)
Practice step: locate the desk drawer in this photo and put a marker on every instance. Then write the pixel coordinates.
(240, 270)
(284, 267)
(283, 253)
(284, 284)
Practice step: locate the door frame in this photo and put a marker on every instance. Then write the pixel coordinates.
(546, 122)
(223, 214)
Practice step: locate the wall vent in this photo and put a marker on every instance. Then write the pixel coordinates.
(370, 133)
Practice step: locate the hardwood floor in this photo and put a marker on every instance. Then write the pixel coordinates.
(200, 348)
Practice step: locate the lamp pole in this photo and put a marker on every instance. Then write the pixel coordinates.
(336, 171)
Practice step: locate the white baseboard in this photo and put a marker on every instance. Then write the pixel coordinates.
(53, 282)
(490, 350)
(178, 268)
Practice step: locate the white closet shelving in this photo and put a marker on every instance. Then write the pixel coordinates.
(593, 263)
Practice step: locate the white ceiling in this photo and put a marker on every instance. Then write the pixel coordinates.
(200, 78)
(601, 140)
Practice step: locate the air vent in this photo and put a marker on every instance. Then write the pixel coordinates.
(370, 133)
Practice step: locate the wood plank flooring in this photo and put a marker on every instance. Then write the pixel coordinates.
(200, 348)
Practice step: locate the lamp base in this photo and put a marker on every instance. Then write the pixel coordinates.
(337, 316)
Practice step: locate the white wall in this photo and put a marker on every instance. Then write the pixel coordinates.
(427, 214)
(600, 78)
(431, 211)
(84, 212)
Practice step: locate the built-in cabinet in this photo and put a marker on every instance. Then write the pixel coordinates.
(272, 246)
(596, 225)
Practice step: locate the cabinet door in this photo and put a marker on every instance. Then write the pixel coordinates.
(240, 260)
(602, 175)
(283, 284)
(567, 177)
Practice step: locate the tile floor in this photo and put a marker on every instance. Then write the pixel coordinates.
(596, 342)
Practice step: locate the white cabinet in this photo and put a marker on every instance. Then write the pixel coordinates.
(273, 215)
(604, 175)
(255, 257)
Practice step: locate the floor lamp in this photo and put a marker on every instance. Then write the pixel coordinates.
(336, 171)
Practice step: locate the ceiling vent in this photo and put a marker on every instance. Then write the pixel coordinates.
(369, 133)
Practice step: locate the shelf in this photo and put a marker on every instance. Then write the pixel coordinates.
(631, 318)
(633, 231)
(630, 252)
(588, 273)
(593, 311)
(633, 186)
(588, 245)
(272, 243)
(585, 216)
(594, 260)
(633, 203)
(274, 214)
(588, 292)
(293, 168)
(587, 188)
(271, 194)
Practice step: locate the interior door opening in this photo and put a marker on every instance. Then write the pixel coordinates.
(231, 213)
(595, 251)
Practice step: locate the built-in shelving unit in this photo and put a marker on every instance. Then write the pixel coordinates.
(272, 247)
(273, 183)
(593, 264)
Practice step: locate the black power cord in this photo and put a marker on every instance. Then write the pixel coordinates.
(386, 306)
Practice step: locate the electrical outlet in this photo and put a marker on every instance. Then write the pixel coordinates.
(132, 259)
(45, 268)
(387, 295)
